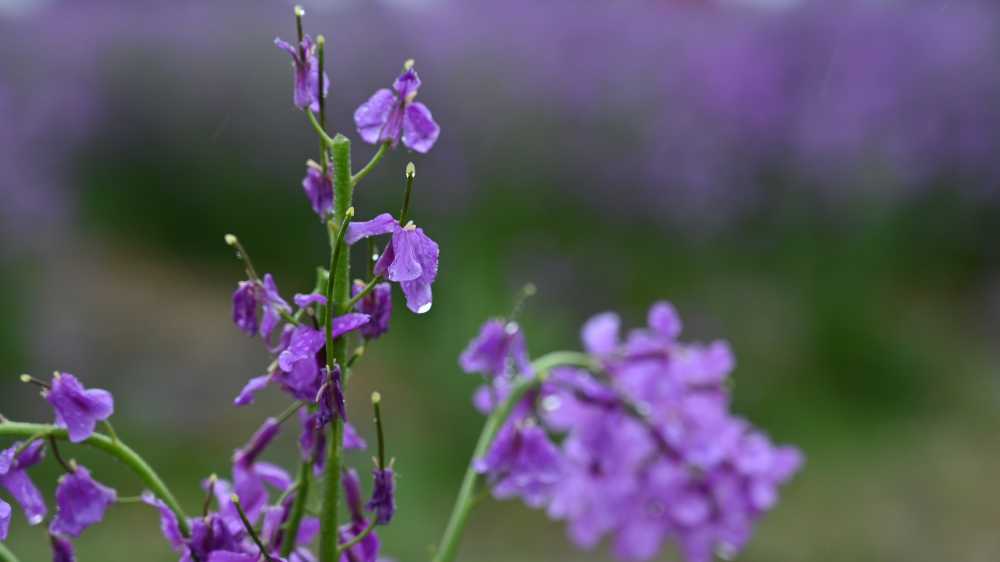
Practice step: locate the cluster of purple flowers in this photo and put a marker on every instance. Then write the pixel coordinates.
(80, 500)
(643, 447)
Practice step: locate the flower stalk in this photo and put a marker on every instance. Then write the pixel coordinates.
(117, 449)
(448, 547)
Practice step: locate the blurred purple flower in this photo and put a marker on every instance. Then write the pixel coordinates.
(81, 502)
(62, 549)
(5, 515)
(497, 350)
(378, 305)
(14, 477)
(319, 189)
(383, 501)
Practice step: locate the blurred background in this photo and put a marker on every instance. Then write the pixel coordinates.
(817, 182)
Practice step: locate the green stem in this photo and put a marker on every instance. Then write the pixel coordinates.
(298, 509)
(359, 537)
(6, 555)
(448, 547)
(376, 158)
(338, 292)
(325, 138)
(117, 449)
(363, 292)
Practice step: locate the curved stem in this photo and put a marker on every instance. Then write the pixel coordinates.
(448, 547)
(323, 137)
(363, 292)
(6, 555)
(117, 449)
(376, 158)
(359, 537)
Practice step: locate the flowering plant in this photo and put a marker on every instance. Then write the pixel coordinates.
(632, 438)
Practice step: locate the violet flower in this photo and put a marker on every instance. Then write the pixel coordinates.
(390, 114)
(383, 502)
(78, 409)
(411, 259)
(319, 189)
(366, 550)
(300, 362)
(5, 516)
(81, 502)
(251, 297)
(62, 549)
(378, 305)
(330, 397)
(251, 477)
(169, 525)
(305, 62)
(498, 347)
(522, 462)
(14, 477)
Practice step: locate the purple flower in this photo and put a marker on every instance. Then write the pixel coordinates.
(330, 398)
(14, 477)
(383, 501)
(411, 259)
(78, 409)
(62, 549)
(5, 513)
(251, 296)
(251, 476)
(81, 503)
(367, 550)
(498, 347)
(300, 362)
(319, 189)
(388, 114)
(306, 64)
(523, 462)
(169, 525)
(378, 305)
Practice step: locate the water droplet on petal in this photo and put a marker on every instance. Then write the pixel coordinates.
(424, 308)
(551, 403)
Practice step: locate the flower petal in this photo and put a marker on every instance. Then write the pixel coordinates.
(420, 131)
(382, 224)
(372, 116)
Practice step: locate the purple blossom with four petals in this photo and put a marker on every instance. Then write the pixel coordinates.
(78, 409)
(411, 259)
(81, 502)
(390, 115)
(257, 306)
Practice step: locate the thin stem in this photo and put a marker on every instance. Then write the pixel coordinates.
(358, 538)
(298, 509)
(376, 158)
(288, 317)
(377, 407)
(242, 255)
(411, 172)
(321, 52)
(68, 467)
(117, 449)
(209, 495)
(299, 12)
(363, 292)
(249, 527)
(336, 352)
(6, 555)
(111, 430)
(320, 130)
(448, 547)
(129, 499)
(290, 411)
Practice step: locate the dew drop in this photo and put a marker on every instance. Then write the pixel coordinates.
(551, 403)
(424, 308)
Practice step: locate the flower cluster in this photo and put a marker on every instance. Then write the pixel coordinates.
(647, 446)
(80, 500)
